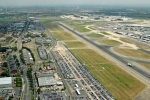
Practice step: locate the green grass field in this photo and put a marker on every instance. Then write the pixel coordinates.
(6, 20)
(105, 33)
(74, 44)
(18, 82)
(110, 42)
(73, 25)
(50, 23)
(82, 29)
(76, 23)
(145, 65)
(132, 53)
(62, 35)
(94, 35)
(92, 27)
(125, 40)
(143, 47)
(118, 82)
(57, 31)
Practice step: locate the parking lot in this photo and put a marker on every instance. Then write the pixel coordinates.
(42, 53)
(73, 71)
(52, 96)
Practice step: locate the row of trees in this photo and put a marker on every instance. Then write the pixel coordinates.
(21, 56)
(4, 49)
(29, 75)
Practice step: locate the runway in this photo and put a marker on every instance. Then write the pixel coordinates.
(124, 61)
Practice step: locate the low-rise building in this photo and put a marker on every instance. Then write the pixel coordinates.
(5, 82)
(12, 65)
(48, 79)
(42, 53)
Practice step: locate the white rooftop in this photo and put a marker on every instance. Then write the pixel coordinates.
(5, 80)
(59, 83)
(44, 81)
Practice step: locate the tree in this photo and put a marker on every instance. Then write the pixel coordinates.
(5, 65)
(14, 49)
(38, 90)
(5, 74)
(14, 56)
(40, 68)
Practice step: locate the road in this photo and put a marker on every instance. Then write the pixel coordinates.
(27, 92)
(19, 47)
(54, 43)
(117, 58)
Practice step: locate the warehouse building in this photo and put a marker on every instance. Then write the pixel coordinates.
(46, 81)
(49, 79)
(5, 82)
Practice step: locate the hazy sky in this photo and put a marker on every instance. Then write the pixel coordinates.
(72, 2)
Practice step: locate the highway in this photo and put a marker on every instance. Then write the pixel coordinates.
(106, 50)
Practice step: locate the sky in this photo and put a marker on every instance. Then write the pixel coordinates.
(72, 2)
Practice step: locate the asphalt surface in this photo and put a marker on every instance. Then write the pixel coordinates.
(51, 57)
(106, 50)
(27, 92)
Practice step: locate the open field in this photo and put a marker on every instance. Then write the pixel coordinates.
(62, 35)
(18, 82)
(57, 31)
(82, 29)
(50, 23)
(143, 47)
(125, 40)
(110, 42)
(92, 27)
(74, 44)
(132, 53)
(73, 25)
(118, 82)
(5, 20)
(94, 35)
(145, 65)
(79, 26)
(105, 33)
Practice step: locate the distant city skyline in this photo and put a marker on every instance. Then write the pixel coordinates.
(72, 2)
